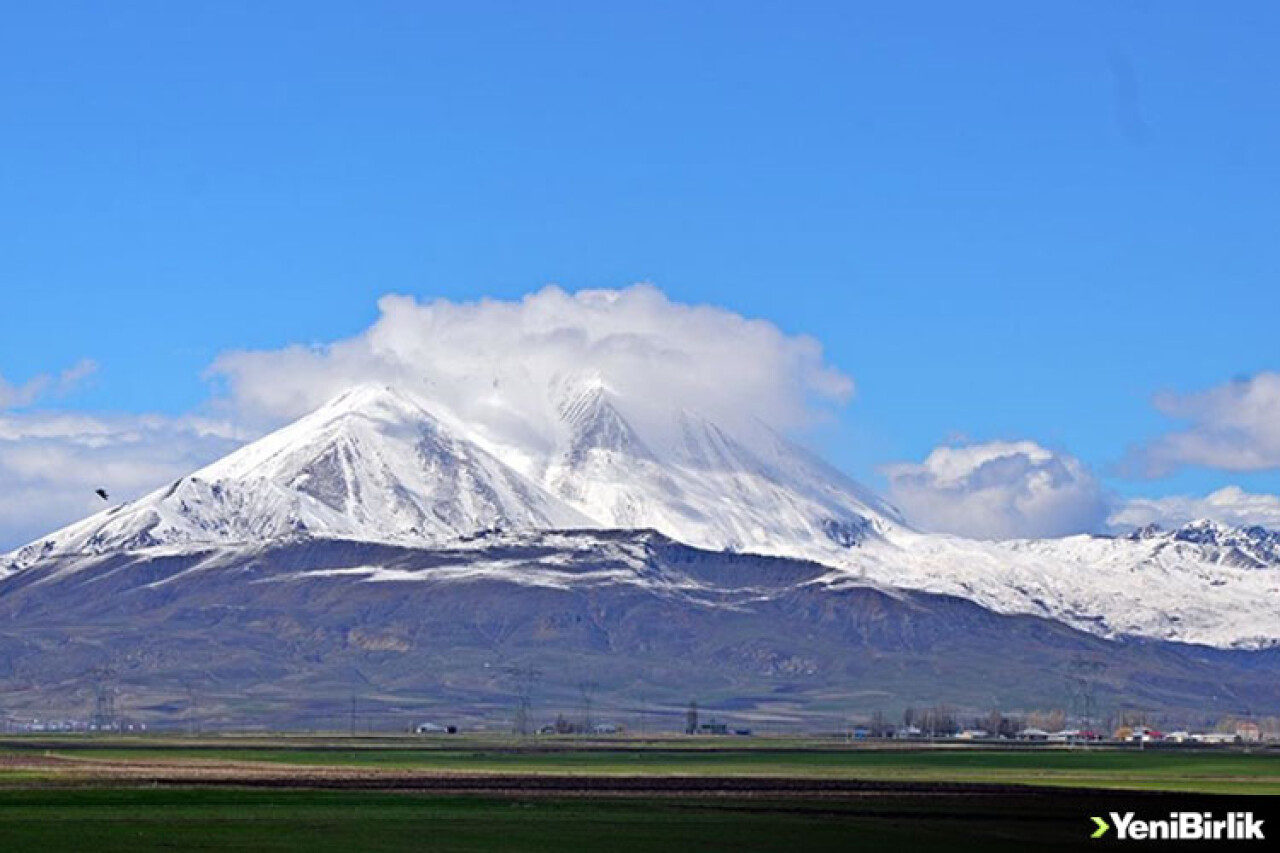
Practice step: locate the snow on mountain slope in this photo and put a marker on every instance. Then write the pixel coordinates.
(385, 465)
(698, 483)
(1158, 586)
(372, 464)
(1245, 547)
(378, 463)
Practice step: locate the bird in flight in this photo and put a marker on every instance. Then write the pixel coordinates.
(102, 493)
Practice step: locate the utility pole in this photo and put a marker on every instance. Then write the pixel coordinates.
(587, 688)
(525, 678)
(104, 706)
(353, 714)
(1085, 674)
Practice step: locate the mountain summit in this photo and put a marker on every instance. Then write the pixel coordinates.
(739, 488)
(382, 464)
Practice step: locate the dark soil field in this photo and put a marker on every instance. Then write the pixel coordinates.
(108, 820)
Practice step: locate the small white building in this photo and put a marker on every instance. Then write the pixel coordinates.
(972, 734)
(1214, 737)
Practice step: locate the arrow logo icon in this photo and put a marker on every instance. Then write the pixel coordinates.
(1103, 826)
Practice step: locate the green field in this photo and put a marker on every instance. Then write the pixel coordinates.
(1190, 771)
(108, 821)
(385, 794)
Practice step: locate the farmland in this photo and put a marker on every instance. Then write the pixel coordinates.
(404, 760)
(475, 793)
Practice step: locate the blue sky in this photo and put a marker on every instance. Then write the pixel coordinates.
(1003, 220)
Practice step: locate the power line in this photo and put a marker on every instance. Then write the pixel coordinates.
(525, 677)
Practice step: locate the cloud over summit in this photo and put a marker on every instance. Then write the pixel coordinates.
(504, 365)
(494, 362)
(498, 364)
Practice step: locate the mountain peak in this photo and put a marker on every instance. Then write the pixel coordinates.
(372, 463)
(381, 409)
(378, 462)
(594, 423)
(1246, 547)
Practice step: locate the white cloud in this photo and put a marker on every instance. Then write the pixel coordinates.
(491, 361)
(998, 490)
(50, 463)
(17, 396)
(1231, 505)
(1235, 426)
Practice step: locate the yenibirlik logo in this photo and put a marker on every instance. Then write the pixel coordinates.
(1182, 826)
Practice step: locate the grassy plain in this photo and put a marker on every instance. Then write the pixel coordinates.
(143, 820)
(1187, 770)
(331, 794)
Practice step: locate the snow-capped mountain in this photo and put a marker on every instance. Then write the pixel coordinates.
(694, 480)
(372, 464)
(271, 632)
(1244, 547)
(385, 465)
(382, 464)
(1160, 586)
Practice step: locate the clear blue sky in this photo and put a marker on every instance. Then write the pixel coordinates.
(1004, 220)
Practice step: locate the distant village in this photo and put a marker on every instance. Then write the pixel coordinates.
(923, 725)
(1052, 727)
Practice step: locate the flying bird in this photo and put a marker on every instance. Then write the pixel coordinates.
(102, 493)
